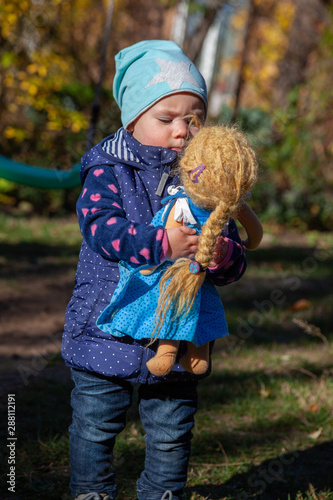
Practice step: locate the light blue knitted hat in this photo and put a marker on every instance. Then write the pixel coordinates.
(150, 70)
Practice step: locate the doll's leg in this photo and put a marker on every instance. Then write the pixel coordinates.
(162, 363)
(196, 359)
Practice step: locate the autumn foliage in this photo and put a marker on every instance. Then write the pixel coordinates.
(50, 56)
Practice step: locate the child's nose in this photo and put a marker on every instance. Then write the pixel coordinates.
(181, 128)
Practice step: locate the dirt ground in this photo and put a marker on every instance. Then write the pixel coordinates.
(33, 300)
(32, 308)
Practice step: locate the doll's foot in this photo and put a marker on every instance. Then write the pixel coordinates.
(163, 361)
(196, 359)
(159, 367)
(192, 365)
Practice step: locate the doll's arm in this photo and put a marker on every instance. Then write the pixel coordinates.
(252, 226)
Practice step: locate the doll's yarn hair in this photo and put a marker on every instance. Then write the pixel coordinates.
(230, 172)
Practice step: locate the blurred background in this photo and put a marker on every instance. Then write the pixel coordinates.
(268, 66)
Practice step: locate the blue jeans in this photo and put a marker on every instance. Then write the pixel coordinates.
(99, 415)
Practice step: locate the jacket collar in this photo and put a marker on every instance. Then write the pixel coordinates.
(123, 148)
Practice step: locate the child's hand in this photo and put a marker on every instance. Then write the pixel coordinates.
(183, 242)
(221, 250)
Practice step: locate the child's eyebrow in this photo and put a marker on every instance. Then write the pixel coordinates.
(168, 111)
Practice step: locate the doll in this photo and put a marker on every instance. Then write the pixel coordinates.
(174, 302)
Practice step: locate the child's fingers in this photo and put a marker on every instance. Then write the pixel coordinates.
(221, 247)
(191, 241)
(187, 230)
(182, 242)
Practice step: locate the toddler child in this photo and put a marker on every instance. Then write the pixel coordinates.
(124, 179)
(175, 302)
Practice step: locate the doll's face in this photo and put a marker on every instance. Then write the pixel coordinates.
(167, 123)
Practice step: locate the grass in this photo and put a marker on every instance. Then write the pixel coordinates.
(264, 426)
(38, 241)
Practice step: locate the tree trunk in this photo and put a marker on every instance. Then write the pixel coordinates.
(193, 45)
(303, 39)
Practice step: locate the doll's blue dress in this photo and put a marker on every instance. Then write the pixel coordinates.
(132, 310)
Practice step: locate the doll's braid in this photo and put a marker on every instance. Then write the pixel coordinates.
(230, 169)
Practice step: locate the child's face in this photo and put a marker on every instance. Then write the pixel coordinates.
(166, 124)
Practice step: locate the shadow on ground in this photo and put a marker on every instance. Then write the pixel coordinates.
(280, 478)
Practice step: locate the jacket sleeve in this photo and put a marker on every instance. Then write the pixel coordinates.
(233, 266)
(105, 226)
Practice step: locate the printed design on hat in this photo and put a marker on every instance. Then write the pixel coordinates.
(174, 74)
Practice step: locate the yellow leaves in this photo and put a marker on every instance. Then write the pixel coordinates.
(59, 118)
(10, 132)
(45, 74)
(268, 72)
(275, 41)
(36, 67)
(229, 64)
(57, 85)
(32, 68)
(76, 127)
(15, 6)
(15, 133)
(74, 121)
(284, 13)
(12, 18)
(42, 71)
(79, 122)
(8, 80)
(10, 15)
(24, 85)
(12, 107)
(239, 20)
(271, 32)
(54, 125)
(36, 88)
(248, 73)
(20, 100)
(32, 89)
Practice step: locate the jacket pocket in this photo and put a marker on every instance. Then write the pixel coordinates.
(79, 309)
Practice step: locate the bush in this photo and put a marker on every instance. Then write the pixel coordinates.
(292, 188)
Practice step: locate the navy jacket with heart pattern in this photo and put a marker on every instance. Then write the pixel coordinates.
(120, 177)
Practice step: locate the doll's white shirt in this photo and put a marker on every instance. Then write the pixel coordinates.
(183, 213)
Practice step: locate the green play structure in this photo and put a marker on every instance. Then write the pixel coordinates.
(42, 178)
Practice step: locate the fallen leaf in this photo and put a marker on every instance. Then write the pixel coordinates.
(315, 434)
(300, 304)
(264, 392)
